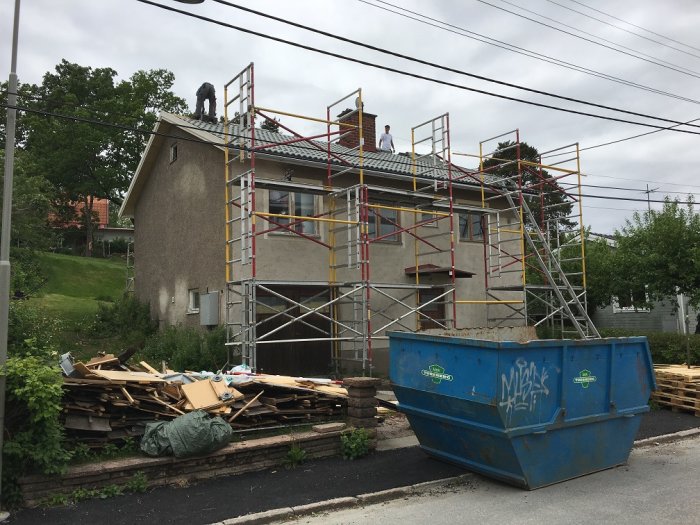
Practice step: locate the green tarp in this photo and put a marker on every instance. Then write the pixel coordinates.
(193, 434)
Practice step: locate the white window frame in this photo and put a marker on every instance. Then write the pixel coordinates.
(173, 152)
(193, 298)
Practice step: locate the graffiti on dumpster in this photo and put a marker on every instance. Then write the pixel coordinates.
(525, 384)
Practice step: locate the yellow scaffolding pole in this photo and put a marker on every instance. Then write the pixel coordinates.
(409, 210)
(302, 217)
(305, 117)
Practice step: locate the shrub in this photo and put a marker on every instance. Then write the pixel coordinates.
(295, 456)
(187, 348)
(127, 318)
(27, 273)
(354, 444)
(35, 440)
(666, 347)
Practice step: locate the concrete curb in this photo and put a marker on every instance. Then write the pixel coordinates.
(290, 513)
(655, 440)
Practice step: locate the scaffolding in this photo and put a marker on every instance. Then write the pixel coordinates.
(350, 309)
(539, 235)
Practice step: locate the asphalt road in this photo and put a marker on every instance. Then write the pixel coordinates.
(219, 499)
(659, 485)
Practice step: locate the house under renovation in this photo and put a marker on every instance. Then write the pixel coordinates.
(311, 247)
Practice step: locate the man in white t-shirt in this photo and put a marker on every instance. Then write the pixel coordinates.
(386, 141)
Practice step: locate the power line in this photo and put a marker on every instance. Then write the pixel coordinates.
(520, 50)
(217, 143)
(621, 28)
(417, 76)
(434, 65)
(661, 63)
(633, 25)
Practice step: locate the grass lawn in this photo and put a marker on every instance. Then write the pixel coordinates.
(75, 286)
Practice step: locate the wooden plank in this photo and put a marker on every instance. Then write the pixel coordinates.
(201, 394)
(136, 377)
(171, 407)
(234, 416)
(149, 368)
(128, 396)
(107, 359)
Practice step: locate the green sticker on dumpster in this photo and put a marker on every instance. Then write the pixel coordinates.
(437, 374)
(585, 378)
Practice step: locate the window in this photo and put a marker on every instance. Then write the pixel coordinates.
(173, 152)
(193, 301)
(426, 216)
(383, 222)
(471, 227)
(626, 303)
(300, 204)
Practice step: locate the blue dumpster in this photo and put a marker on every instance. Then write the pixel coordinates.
(530, 414)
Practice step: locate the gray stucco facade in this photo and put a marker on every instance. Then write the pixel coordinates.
(178, 205)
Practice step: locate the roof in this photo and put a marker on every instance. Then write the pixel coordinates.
(307, 151)
(427, 269)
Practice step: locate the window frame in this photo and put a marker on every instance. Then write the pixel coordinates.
(173, 152)
(291, 206)
(193, 298)
(374, 221)
(470, 224)
(430, 215)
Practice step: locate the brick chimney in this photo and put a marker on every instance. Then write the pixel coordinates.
(351, 140)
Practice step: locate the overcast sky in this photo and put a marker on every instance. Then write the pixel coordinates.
(127, 36)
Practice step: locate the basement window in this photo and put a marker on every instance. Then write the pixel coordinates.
(193, 301)
(173, 152)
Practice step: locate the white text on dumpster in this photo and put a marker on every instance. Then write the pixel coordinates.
(521, 389)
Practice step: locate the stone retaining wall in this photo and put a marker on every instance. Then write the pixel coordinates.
(236, 458)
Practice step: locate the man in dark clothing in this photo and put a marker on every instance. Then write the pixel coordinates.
(206, 92)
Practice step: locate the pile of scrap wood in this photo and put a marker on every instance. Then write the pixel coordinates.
(678, 387)
(108, 399)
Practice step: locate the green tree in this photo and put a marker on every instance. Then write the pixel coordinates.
(660, 251)
(271, 125)
(538, 181)
(31, 203)
(85, 160)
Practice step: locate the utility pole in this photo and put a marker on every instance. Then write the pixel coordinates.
(6, 219)
(648, 192)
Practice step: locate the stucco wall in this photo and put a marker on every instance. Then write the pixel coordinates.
(179, 239)
(179, 227)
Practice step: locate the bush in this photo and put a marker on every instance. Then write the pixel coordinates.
(34, 434)
(27, 274)
(127, 318)
(354, 444)
(187, 348)
(666, 347)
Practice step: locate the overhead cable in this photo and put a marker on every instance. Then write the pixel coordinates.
(418, 76)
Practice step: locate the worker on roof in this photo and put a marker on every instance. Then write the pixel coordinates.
(386, 141)
(206, 92)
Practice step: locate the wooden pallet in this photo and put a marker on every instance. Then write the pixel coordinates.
(678, 387)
